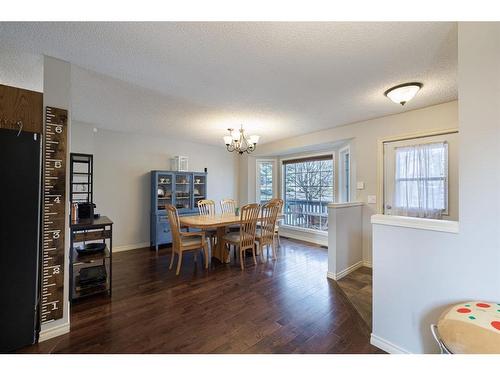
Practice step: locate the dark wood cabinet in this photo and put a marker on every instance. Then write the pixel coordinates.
(20, 105)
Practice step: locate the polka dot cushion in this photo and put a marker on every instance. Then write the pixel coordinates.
(471, 327)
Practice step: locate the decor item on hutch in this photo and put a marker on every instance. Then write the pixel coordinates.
(180, 163)
(240, 142)
(402, 94)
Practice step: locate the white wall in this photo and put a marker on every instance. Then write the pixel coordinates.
(418, 273)
(415, 273)
(345, 252)
(363, 137)
(479, 113)
(122, 162)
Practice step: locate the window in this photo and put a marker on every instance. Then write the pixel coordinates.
(421, 180)
(308, 188)
(345, 174)
(265, 180)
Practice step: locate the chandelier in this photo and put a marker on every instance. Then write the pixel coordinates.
(240, 142)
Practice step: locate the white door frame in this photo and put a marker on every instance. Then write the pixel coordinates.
(380, 157)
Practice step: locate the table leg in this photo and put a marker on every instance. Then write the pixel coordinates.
(221, 253)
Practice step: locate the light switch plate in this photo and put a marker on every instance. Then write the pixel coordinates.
(360, 185)
(372, 199)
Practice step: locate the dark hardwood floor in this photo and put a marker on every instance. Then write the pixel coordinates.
(357, 286)
(282, 306)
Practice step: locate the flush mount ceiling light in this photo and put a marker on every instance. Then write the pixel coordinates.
(240, 142)
(403, 93)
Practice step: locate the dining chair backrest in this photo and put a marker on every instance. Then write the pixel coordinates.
(270, 212)
(206, 207)
(228, 206)
(175, 225)
(279, 201)
(248, 224)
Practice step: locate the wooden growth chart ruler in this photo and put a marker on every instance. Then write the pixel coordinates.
(54, 213)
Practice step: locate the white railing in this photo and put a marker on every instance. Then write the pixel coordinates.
(306, 214)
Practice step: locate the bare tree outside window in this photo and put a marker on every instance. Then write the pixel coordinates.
(265, 181)
(308, 187)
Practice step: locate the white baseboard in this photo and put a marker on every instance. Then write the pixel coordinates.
(387, 346)
(367, 264)
(53, 332)
(330, 275)
(117, 249)
(348, 270)
(341, 274)
(302, 235)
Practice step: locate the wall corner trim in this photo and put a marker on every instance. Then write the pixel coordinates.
(367, 263)
(387, 346)
(416, 223)
(54, 332)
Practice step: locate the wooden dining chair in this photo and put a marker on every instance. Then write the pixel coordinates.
(206, 207)
(245, 238)
(266, 233)
(277, 227)
(184, 241)
(228, 206)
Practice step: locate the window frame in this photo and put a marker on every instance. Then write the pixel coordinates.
(308, 157)
(342, 175)
(274, 177)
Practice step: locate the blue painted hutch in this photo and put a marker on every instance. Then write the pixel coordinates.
(181, 189)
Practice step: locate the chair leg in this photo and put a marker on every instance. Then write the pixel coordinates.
(205, 249)
(240, 252)
(273, 247)
(172, 259)
(253, 253)
(179, 263)
(278, 237)
(260, 252)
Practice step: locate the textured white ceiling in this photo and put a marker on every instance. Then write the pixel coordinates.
(193, 80)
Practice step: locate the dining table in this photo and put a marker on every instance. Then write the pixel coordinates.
(218, 222)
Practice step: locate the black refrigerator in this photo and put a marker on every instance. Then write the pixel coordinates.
(19, 238)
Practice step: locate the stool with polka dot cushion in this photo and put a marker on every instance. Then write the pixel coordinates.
(469, 328)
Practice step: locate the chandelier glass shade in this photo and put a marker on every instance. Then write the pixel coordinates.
(240, 142)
